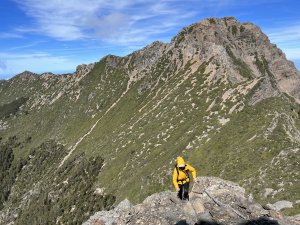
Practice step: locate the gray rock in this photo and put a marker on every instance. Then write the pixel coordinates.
(188, 209)
(124, 205)
(205, 217)
(198, 205)
(269, 207)
(294, 219)
(212, 201)
(282, 205)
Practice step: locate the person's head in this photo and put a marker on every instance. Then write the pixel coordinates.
(180, 162)
(181, 167)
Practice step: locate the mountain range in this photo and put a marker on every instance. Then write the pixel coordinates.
(219, 94)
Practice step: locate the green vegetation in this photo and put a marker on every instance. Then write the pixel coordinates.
(212, 20)
(6, 158)
(12, 108)
(292, 211)
(147, 127)
(65, 194)
(240, 152)
(190, 29)
(8, 169)
(225, 21)
(181, 36)
(242, 28)
(241, 66)
(126, 140)
(234, 30)
(263, 68)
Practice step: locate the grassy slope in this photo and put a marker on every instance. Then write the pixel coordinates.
(141, 136)
(250, 162)
(137, 155)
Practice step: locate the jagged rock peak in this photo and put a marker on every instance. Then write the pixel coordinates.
(26, 75)
(153, 45)
(155, 49)
(212, 201)
(139, 58)
(241, 50)
(112, 60)
(84, 69)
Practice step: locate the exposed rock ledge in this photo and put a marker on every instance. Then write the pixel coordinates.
(212, 201)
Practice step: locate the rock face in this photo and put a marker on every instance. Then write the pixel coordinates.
(84, 69)
(235, 52)
(212, 201)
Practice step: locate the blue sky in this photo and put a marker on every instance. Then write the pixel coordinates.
(57, 35)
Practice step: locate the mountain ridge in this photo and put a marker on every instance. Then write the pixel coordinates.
(215, 94)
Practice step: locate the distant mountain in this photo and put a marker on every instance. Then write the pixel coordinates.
(219, 94)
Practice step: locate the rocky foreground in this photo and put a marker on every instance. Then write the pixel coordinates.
(213, 201)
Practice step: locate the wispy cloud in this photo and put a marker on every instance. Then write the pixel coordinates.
(24, 46)
(8, 35)
(287, 38)
(285, 34)
(9, 56)
(113, 21)
(292, 53)
(63, 20)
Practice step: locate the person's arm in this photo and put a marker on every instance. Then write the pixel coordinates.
(175, 176)
(192, 170)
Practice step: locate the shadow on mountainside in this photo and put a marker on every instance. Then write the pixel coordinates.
(259, 221)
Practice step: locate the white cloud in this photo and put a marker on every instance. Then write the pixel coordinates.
(121, 22)
(61, 19)
(287, 38)
(292, 53)
(285, 34)
(24, 46)
(8, 35)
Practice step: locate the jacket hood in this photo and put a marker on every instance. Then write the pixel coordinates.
(180, 161)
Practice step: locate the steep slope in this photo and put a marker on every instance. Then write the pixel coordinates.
(220, 94)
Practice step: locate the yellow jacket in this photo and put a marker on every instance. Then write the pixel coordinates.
(182, 176)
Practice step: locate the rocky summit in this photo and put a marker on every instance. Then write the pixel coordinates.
(212, 201)
(219, 94)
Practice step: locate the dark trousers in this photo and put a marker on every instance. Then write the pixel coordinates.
(183, 193)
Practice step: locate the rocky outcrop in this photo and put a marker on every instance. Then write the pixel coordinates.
(239, 51)
(212, 201)
(84, 69)
(27, 75)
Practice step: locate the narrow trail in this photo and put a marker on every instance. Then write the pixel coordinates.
(73, 148)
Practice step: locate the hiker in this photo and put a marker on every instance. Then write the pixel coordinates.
(181, 179)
